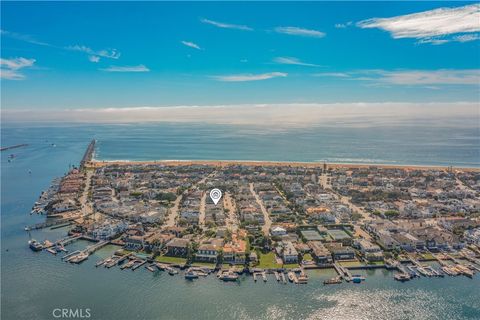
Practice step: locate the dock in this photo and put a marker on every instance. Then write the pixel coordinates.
(139, 264)
(343, 272)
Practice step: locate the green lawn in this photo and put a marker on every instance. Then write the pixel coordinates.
(351, 263)
(267, 261)
(204, 264)
(172, 260)
(428, 256)
(290, 265)
(307, 257)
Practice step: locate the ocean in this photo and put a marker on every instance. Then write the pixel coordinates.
(34, 284)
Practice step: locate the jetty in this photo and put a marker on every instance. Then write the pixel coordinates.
(48, 224)
(14, 147)
(88, 156)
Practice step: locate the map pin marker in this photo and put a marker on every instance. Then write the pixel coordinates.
(215, 195)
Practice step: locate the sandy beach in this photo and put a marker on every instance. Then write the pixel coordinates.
(223, 163)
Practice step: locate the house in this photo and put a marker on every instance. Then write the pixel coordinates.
(340, 252)
(407, 241)
(277, 231)
(177, 247)
(209, 251)
(288, 253)
(234, 252)
(370, 251)
(319, 252)
(156, 241)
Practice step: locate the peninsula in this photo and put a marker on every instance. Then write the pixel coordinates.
(279, 218)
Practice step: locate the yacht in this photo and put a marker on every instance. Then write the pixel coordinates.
(190, 275)
(34, 245)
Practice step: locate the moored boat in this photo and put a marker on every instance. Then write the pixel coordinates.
(228, 276)
(190, 275)
(34, 245)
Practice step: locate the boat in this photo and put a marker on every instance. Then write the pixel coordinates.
(291, 276)
(171, 271)
(47, 244)
(150, 268)
(82, 256)
(99, 263)
(335, 280)
(190, 275)
(129, 264)
(52, 251)
(228, 276)
(302, 278)
(402, 277)
(34, 245)
(59, 247)
(357, 279)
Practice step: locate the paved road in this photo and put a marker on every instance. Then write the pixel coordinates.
(172, 217)
(266, 216)
(201, 216)
(232, 220)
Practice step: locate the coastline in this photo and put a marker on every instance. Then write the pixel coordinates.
(99, 163)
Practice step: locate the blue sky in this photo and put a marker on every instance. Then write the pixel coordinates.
(113, 55)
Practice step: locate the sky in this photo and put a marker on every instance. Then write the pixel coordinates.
(104, 55)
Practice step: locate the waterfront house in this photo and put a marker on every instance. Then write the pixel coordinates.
(209, 250)
(288, 252)
(340, 252)
(177, 247)
(320, 253)
(234, 252)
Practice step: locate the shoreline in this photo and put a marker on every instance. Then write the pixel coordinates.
(310, 164)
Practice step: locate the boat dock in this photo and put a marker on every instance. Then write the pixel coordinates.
(343, 272)
(139, 264)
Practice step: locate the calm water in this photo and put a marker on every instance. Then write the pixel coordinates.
(33, 284)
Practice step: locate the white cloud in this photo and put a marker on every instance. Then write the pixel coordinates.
(434, 41)
(432, 77)
(300, 32)
(226, 25)
(429, 24)
(333, 74)
(10, 68)
(23, 37)
(191, 45)
(343, 25)
(293, 61)
(413, 77)
(94, 59)
(467, 37)
(104, 53)
(249, 77)
(278, 115)
(139, 68)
